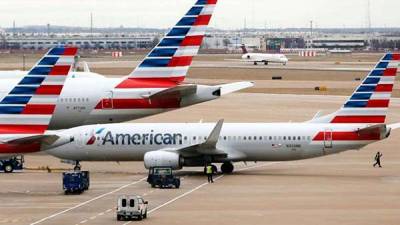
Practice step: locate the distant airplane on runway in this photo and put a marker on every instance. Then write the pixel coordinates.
(155, 86)
(263, 57)
(359, 122)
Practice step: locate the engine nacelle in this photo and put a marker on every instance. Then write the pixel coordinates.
(164, 159)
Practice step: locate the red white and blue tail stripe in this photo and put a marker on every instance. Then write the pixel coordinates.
(370, 101)
(167, 64)
(29, 106)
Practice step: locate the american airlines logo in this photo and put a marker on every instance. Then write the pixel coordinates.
(151, 138)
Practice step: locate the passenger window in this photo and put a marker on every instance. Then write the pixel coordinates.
(260, 138)
(123, 203)
(132, 202)
(224, 137)
(270, 137)
(289, 138)
(299, 138)
(244, 138)
(249, 138)
(284, 137)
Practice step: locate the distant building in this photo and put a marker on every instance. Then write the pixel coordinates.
(351, 42)
(84, 42)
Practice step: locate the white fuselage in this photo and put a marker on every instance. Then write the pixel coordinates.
(266, 58)
(90, 98)
(240, 141)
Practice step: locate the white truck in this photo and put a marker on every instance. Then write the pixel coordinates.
(131, 207)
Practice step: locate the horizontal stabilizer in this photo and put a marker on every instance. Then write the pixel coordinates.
(394, 126)
(42, 138)
(180, 90)
(233, 87)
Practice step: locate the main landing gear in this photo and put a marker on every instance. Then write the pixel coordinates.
(227, 167)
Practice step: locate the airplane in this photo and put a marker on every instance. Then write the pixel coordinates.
(263, 57)
(155, 86)
(28, 106)
(359, 122)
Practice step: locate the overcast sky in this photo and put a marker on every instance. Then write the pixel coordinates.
(229, 14)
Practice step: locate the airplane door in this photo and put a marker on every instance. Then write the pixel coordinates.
(107, 102)
(328, 138)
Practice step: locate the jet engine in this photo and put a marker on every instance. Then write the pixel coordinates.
(164, 159)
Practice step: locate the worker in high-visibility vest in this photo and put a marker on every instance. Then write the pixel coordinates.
(209, 172)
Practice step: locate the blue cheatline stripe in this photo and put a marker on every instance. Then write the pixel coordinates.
(194, 11)
(23, 90)
(178, 32)
(170, 42)
(361, 96)
(16, 100)
(40, 71)
(356, 104)
(376, 73)
(388, 57)
(32, 80)
(163, 52)
(186, 21)
(57, 51)
(154, 63)
(371, 80)
(382, 65)
(11, 109)
(366, 88)
(48, 61)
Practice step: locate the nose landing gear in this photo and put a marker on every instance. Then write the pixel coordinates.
(77, 166)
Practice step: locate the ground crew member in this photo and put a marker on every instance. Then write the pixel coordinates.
(209, 172)
(378, 157)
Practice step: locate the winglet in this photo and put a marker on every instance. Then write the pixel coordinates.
(214, 135)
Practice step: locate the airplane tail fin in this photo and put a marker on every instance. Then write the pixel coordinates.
(167, 63)
(29, 106)
(370, 101)
(244, 49)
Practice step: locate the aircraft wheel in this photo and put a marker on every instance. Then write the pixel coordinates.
(8, 168)
(255, 63)
(266, 63)
(227, 167)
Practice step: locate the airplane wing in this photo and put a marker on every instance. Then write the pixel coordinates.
(208, 147)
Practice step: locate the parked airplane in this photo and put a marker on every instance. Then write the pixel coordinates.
(28, 106)
(263, 57)
(155, 86)
(361, 121)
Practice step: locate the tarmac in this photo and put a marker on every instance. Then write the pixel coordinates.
(336, 189)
